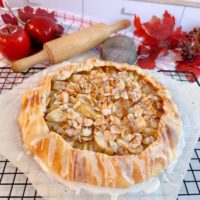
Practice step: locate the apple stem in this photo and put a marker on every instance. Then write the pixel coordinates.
(9, 8)
(11, 12)
(8, 30)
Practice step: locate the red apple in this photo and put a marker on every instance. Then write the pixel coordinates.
(14, 42)
(41, 29)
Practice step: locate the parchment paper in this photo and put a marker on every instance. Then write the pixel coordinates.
(187, 97)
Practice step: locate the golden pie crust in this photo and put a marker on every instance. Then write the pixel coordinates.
(90, 142)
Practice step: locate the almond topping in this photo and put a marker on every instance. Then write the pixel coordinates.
(72, 132)
(113, 145)
(106, 111)
(115, 129)
(87, 122)
(86, 132)
(148, 140)
(100, 121)
(65, 97)
(124, 95)
(56, 115)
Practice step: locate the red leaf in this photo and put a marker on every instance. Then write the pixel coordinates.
(1, 3)
(26, 13)
(160, 29)
(159, 35)
(8, 19)
(139, 31)
(150, 55)
(45, 13)
(190, 67)
(175, 37)
(59, 30)
(147, 63)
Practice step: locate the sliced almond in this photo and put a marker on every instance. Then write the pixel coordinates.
(117, 95)
(124, 95)
(103, 145)
(76, 105)
(138, 137)
(56, 115)
(123, 144)
(76, 125)
(58, 97)
(70, 132)
(114, 91)
(76, 77)
(113, 145)
(72, 114)
(137, 150)
(106, 111)
(150, 131)
(104, 104)
(101, 98)
(85, 139)
(130, 116)
(87, 111)
(52, 107)
(100, 121)
(121, 85)
(140, 124)
(56, 127)
(114, 129)
(115, 120)
(127, 146)
(107, 90)
(59, 85)
(72, 99)
(64, 107)
(86, 132)
(86, 88)
(135, 95)
(148, 140)
(87, 122)
(72, 87)
(65, 97)
(80, 120)
(108, 135)
(128, 137)
(154, 123)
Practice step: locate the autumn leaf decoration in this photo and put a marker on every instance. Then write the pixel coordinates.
(24, 14)
(158, 37)
(28, 12)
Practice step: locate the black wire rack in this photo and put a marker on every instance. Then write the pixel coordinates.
(181, 76)
(15, 185)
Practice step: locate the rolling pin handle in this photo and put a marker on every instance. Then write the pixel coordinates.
(28, 62)
(119, 25)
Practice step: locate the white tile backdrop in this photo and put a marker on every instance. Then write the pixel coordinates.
(112, 10)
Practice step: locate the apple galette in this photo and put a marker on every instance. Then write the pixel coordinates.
(101, 123)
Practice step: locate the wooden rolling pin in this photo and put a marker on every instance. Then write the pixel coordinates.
(70, 45)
